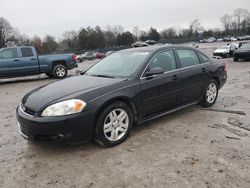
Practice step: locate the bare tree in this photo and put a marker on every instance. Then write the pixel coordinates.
(195, 27)
(226, 21)
(71, 38)
(169, 33)
(7, 33)
(37, 43)
(240, 15)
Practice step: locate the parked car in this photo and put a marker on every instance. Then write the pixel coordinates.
(139, 44)
(233, 39)
(109, 53)
(89, 55)
(242, 53)
(130, 86)
(211, 40)
(151, 42)
(100, 55)
(24, 61)
(219, 40)
(226, 51)
(226, 39)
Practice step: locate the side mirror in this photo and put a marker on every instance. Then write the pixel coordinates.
(155, 71)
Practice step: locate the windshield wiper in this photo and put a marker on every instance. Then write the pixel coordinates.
(100, 75)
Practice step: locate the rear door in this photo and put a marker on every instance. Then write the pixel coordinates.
(29, 61)
(160, 92)
(194, 75)
(10, 63)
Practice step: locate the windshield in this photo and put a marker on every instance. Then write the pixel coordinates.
(245, 46)
(120, 64)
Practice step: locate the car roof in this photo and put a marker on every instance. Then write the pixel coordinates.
(154, 48)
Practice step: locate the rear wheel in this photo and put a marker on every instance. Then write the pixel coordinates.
(114, 124)
(236, 59)
(210, 95)
(60, 71)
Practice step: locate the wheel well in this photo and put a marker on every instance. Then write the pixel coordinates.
(122, 99)
(59, 63)
(217, 80)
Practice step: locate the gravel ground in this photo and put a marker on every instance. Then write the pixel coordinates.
(179, 150)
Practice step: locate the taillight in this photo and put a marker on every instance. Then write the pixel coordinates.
(74, 58)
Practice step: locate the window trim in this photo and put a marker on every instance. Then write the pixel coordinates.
(177, 68)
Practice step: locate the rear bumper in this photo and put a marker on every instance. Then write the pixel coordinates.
(74, 128)
(72, 65)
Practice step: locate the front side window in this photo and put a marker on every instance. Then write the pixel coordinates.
(187, 57)
(26, 52)
(119, 64)
(8, 53)
(164, 60)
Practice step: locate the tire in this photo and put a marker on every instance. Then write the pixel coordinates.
(109, 131)
(236, 59)
(210, 95)
(60, 71)
(227, 55)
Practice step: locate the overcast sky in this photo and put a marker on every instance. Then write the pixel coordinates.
(41, 17)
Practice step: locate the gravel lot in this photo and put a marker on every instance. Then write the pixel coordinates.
(179, 150)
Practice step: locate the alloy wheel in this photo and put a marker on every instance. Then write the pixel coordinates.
(116, 125)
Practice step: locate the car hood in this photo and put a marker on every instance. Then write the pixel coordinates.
(78, 85)
(221, 51)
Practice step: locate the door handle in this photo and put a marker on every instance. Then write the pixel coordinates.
(175, 77)
(33, 59)
(16, 59)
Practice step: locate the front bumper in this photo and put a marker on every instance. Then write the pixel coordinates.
(76, 127)
(220, 54)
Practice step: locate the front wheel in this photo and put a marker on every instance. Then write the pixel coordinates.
(60, 71)
(114, 124)
(210, 95)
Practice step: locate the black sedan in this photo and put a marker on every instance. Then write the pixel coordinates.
(242, 53)
(128, 87)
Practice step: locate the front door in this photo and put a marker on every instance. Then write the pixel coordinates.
(160, 92)
(29, 61)
(10, 63)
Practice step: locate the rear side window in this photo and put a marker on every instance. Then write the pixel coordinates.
(188, 57)
(164, 60)
(26, 52)
(8, 53)
(203, 58)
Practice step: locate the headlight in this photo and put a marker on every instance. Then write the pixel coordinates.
(64, 108)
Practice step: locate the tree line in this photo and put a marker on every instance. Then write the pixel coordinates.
(238, 23)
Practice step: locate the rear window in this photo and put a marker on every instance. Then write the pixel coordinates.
(188, 57)
(26, 52)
